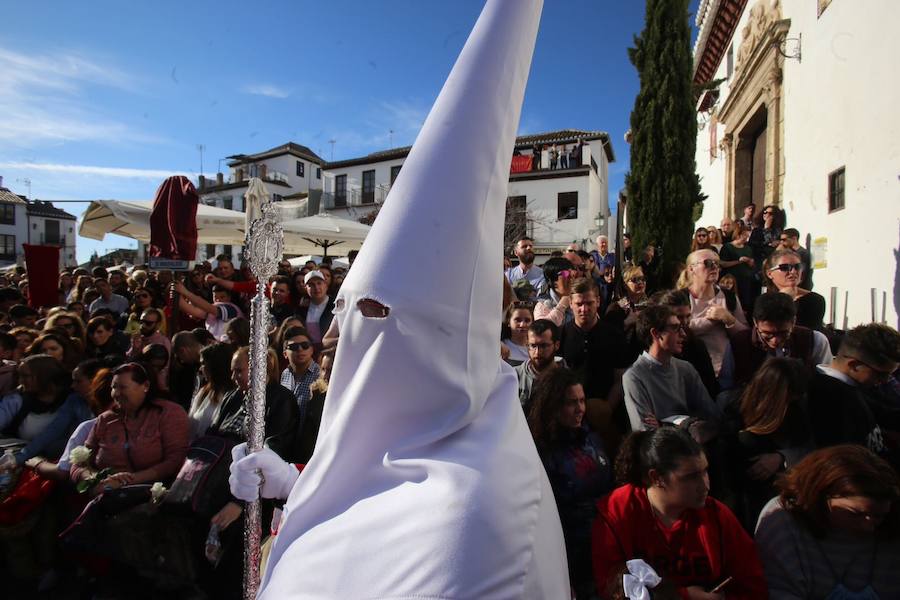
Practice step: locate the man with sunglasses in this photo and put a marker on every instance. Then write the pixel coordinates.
(775, 333)
(840, 408)
(301, 371)
(148, 334)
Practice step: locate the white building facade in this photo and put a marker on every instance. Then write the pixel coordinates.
(13, 227)
(555, 206)
(51, 226)
(290, 172)
(806, 119)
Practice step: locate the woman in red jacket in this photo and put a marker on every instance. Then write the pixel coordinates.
(664, 515)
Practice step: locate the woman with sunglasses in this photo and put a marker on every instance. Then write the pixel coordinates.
(701, 241)
(142, 439)
(784, 271)
(766, 234)
(715, 237)
(834, 530)
(71, 323)
(713, 312)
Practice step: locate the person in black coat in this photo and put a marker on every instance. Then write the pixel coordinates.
(868, 356)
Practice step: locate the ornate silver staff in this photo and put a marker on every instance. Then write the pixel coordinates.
(262, 251)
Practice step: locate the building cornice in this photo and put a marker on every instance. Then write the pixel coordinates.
(715, 35)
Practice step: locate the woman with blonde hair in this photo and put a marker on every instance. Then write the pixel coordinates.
(715, 237)
(69, 322)
(713, 312)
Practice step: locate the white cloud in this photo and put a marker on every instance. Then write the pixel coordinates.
(116, 172)
(265, 89)
(42, 100)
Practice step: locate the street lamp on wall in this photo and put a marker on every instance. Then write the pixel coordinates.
(600, 221)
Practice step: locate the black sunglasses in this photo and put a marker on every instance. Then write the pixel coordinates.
(294, 346)
(148, 322)
(788, 267)
(637, 280)
(709, 263)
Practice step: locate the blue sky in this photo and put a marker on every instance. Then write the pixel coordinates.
(106, 99)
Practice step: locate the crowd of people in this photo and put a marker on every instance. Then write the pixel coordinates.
(705, 438)
(134, 383)
(709, 437)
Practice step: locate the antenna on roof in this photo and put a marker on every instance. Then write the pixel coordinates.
(391, 146)
(332, 142)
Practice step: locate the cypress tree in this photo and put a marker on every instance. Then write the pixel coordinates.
(662, 184)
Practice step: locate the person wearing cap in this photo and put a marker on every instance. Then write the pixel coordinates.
(215, 315)
(318, 315)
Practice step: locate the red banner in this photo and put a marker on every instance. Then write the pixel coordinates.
(173, 222)
(42, 265)
(520, 164)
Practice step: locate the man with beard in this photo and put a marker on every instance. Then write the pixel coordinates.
(526, 269)
(543, 342)
(148, 334)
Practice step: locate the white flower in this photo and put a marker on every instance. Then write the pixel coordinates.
(157, 491)
(80, 455)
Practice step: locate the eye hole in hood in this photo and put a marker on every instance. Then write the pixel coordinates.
(373, 309)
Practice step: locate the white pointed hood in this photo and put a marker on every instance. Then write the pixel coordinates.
(425, 481)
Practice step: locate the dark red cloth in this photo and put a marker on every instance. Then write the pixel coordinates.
(520, 164)
(42, 264)
(702, 548)
(173, 222)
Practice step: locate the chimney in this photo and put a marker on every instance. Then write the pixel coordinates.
(220, 179)
(262, 171)
(1, 181)
(239, 174)
(202, 181)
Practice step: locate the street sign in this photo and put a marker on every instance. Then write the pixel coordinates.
(168, 264)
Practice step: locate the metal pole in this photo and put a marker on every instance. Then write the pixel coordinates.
(874, 301)
(884, 306)
(832, 312)
(262, 251)
(846, 301)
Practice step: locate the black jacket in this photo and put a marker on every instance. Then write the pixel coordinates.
(324, 320)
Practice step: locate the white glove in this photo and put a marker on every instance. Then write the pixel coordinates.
(278, 477)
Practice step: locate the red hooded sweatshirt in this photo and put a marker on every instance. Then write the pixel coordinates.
(702, 548)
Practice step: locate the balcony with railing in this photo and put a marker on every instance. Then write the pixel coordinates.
(352, 198)
(52, 239)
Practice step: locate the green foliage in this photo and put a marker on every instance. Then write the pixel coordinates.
(663, 187)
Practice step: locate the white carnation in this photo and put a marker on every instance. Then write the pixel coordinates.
(80, 455)
(157, 491)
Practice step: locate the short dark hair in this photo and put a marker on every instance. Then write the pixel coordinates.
(219, 288)
(10, 294)
(654, 316)
(539, 326)
(553, 267)
(294, 332)
(281, 279)
(523, 239)
(657, 449)
(672, 298)
(874, 343)
(224, 258)
(584, 255)
(774, 307)
(20, 311)
(7, 341)
(791, 232)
